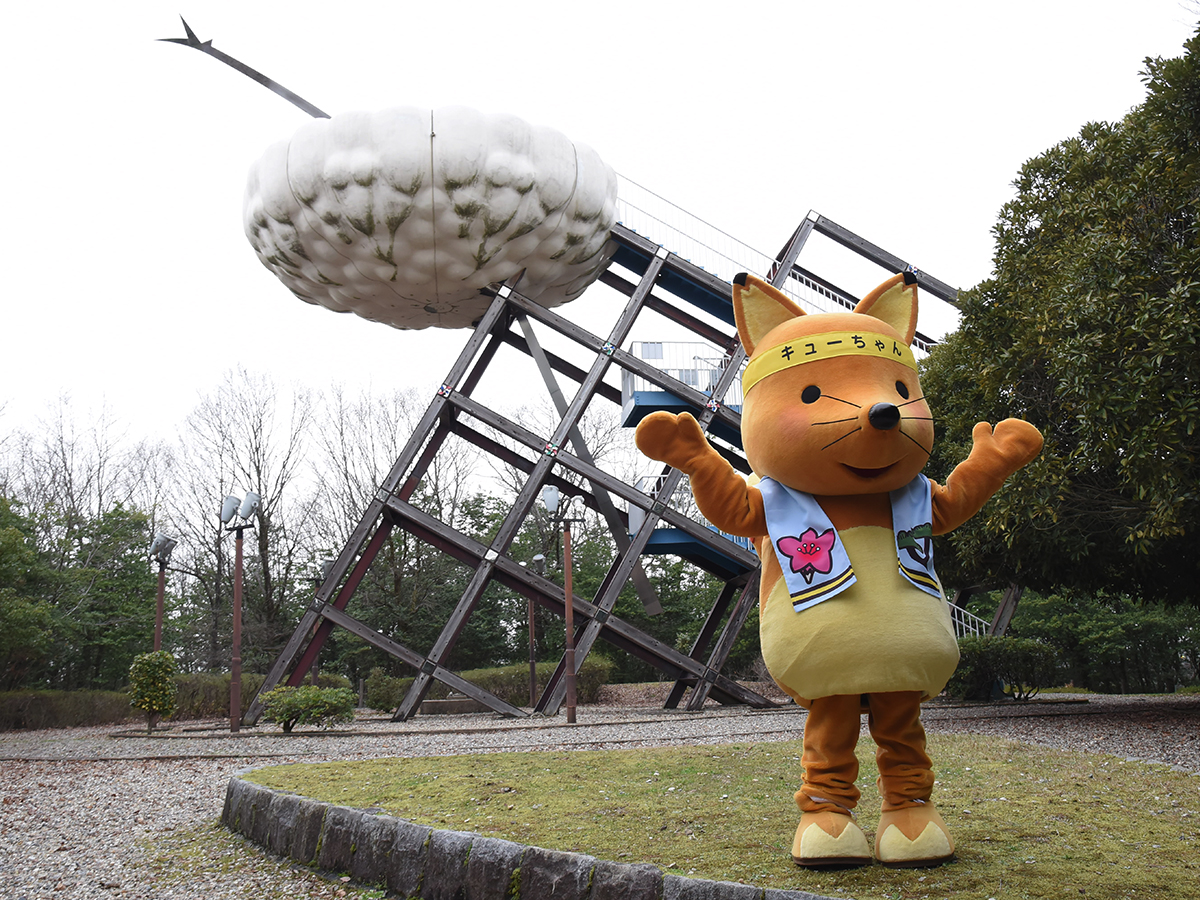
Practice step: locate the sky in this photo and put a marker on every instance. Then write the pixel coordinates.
(131, 288)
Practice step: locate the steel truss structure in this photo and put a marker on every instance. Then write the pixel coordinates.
(455, 413)
(561, 458)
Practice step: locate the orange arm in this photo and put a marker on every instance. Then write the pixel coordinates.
(721, 493)
(994, 456)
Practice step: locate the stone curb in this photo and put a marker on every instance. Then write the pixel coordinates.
(416, 861)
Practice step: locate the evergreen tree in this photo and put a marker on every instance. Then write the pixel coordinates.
(1088, 328)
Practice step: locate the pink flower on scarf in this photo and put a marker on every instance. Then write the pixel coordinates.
(809, 553)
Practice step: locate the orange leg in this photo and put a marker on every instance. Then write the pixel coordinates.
(910, 832)
(830, 766)
(905, 769)
(827, 835)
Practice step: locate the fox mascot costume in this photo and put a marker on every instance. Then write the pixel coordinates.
(852, 616)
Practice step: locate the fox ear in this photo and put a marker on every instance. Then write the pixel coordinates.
(758, 307)
(894, 302)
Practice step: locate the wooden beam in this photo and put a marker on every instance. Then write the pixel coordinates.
(356, 576)
(616, 527)
(1008, 606)
(512, 574)
(609, 483)
(737, 620)
(303, 629)
(881, 257)
(491, 319)
(670, 311)
(707, 632)
(479, 580)
(414, 659)
(786, 258)
(563, 367)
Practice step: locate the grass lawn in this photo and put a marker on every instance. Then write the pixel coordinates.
(1028, 821)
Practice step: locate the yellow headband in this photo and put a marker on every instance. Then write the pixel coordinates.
(809, 348)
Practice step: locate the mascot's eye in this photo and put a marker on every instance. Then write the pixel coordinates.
(811, 394)
(902, 389)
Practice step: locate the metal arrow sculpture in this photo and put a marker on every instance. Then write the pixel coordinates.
(206, 47)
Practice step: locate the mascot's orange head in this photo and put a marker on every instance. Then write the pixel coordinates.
(832, 405)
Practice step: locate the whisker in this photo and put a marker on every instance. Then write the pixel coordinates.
(907, 402)
(843, 437)
(928, 452)
(837, 421)
(912, 419)
(840, 400)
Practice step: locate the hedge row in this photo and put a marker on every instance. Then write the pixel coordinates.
(206, 695)
(63, 709)
(510, 683)
(200, 696)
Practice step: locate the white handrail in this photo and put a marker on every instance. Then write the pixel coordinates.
(966, 623)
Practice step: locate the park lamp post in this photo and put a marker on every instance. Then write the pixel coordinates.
(539, 566)
(550, 498)
(249, 505)
(160, 552)
(319, 575)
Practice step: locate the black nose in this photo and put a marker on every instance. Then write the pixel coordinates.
(884, 416)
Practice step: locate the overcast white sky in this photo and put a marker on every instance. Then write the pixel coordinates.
(130, 284)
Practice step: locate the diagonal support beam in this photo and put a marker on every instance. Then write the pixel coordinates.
(782, 267)
(616, 527)
(368, 528)
(311, 617)
(474, 590)
(1004, 612)
(550, 595)
(716, 662)
(704, 638)
(404, 654)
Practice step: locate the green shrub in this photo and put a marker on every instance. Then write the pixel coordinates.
(977, 672)
(308, 705)
(510, 683)
(203, 695)
(1025, 666)
(152, 685)
(209, 692)
(35, 710)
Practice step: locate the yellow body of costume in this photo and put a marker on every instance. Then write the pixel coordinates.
(902, 638)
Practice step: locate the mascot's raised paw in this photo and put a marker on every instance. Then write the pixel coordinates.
(826, 840)
(1015, 442)
(913, 838)
(674, 439)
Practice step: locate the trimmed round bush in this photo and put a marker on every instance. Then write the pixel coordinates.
(1021, 665)
(308, 705)
(152, 685)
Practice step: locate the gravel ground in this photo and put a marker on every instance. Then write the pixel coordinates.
(110, 812)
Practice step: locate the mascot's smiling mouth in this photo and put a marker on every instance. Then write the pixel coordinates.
(870, 473)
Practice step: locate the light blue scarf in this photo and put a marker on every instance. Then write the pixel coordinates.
(816, 566)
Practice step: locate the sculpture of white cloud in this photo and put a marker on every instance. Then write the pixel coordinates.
(402, 216)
